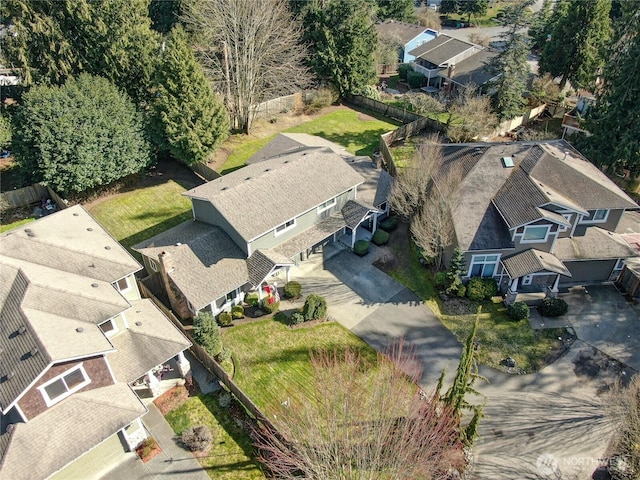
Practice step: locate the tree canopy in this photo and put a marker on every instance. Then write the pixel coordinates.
(576, 49)
(470, 8)
(403, 10)
(189, 119)
(53, 41)
(80, 135)
(342, 35)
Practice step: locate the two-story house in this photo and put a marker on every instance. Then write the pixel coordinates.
(257, 222)
(535, 215)
(75, 337)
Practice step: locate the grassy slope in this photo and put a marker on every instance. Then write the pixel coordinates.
(10, 226)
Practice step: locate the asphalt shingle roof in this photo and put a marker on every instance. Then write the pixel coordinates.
(596, 243)
(441, 50)
(312, 236)
(474, 69)
(262, 262)
(533, 261)
(353, 213)
(251, 199)
(404, 31)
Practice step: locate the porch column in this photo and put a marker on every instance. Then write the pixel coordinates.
(260, 292)
(514, 285)
(287, 268)
(135, 435)
(353, 236)
(154, 384)
(554, 289)
(184, 367)
(375, 222)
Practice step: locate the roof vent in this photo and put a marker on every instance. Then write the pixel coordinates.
(107, 247)
(248, 178)
(223, 189)
(138, 323)
(507, 162)
(178, 244)
(89, 229)
(79, 329)
(267, 169)
(22, 329)
(27, 230)
(75, 214)
(94, 285)
(9, 375)
(34, 351)
(92, 265)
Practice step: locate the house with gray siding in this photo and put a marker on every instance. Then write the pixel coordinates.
(249, 227)
(535, 215)
(79, 347)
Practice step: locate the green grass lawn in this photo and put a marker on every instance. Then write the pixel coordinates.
(498, 336)
(360, 137)
(142, 213)
(231, 457)
(10, 226)
(266, 370)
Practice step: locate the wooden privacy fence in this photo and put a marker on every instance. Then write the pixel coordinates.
(277, 105)
(401, 114)
(23, 197)
(209, 362)
(205, 171)
(514, 123)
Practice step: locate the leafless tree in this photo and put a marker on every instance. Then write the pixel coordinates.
(386, 54)
(471, 116)
(362, 420)
(624, 411)
(428, 18)
(252, 49)
(479, 39)
(426, 104)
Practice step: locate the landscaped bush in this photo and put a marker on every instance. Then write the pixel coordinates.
(197, 439)
(456, 288)
(389, 224)
(315, 307)
(270, 307)
(518, 311)
(415, 79)
(292, 289)
(403, 70)
(224, 319)
(441, 279)
(237, 311)
(380, 237)
(296, 318)
(553, 307)
(252, 299)
(480, 289)
(361, 248)
(320, 99)
(224, 355)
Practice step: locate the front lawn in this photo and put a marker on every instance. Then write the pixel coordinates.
(231, 457)
(134, 216)
(271, 357)
(358, 133)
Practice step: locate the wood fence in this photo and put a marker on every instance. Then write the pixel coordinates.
(209, 362)
(287, 103)
(514, 123)
(401, 114)
(23, 197)
(203, 170)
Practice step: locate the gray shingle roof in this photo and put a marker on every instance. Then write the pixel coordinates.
(377, 182)
(251, 199)
(286, 143)
(353, 213)
(404, 31)
(441, 50)
(207, 264)
(312, 236)
(142, 347)
(262, 262)
(595, 244)
(519, 199)
(533, 261)
(474, 69)
(67, 430)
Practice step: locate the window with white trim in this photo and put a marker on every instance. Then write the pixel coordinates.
(527, 280)
(64, 385)
(483, 265)
(109, 327)
(619, 264)
(153, 265)
(567, 217)
(596, 216)
(123, 285)
(535, 233)
(285, 226)
(326, 205)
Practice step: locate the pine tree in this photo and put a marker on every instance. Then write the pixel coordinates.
(189, 119)
(511, 64)
(613, 122)
(403, 10)
(575, 50)
(541, 24)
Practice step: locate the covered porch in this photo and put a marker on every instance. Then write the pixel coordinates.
(361, 222)
(533, 275)
(267, 268)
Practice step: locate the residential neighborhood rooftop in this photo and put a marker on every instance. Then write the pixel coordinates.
(441, 49)
(402, 30)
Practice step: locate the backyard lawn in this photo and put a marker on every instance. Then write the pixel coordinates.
(5, 227)
(346, 127)
(142, 213)
(231, 455)
(281, 361)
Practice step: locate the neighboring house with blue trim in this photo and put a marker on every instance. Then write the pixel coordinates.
(409, 36)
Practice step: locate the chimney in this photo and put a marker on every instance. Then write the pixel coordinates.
(176, 299)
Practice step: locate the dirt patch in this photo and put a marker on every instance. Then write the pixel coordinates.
(394, 255)
(174, 398)
(459, 306)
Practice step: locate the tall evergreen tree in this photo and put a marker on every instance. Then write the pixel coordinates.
(80, 135)
(343, 36)
(397, 9)
(541, 24)
(475, 8)
(615, 120)
(189, 119)
(576, 48)
(511, 64)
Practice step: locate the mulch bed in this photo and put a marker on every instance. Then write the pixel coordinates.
(175, 397)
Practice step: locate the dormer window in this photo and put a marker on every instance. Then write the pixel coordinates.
(535, 233)
(64, 385)
(596, 216)
(280, 229)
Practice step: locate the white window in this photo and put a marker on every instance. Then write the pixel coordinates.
(285, 226)
(527, 279)
(535, 233)
(596, 216)
(483, 265)
(153, 265)
(64, 385)
(326, 205)
(109, 327)
(123, 285)
(567, 217)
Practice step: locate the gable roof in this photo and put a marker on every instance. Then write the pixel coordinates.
(403, 30)
(207, 264)
(251, 199)
(285, 143)
(262, 262)
(473, 69)
(441, 50)
(533, 261)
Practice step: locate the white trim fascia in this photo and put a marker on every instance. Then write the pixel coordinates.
(113, 377)
(565, 208)
(21, 413)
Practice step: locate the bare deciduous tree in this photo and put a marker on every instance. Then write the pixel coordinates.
(471, 116)
(253, 50)
(479, 39)
(624, 410)
(363, 421)
(428, 18)
(386, 54)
